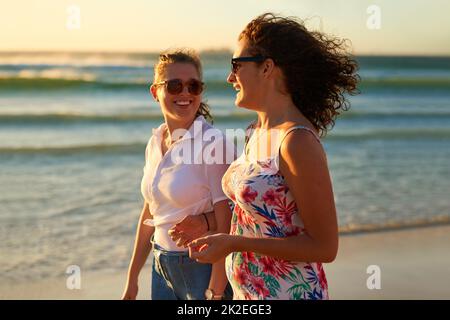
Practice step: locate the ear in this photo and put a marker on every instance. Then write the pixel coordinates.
(268, 67)
(153, 91)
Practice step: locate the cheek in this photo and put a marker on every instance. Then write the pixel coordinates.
(166, 104)
(165, 101)
(197, 101)
(248, 88)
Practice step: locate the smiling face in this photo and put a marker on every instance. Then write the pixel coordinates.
(246, 81)
(179, 107)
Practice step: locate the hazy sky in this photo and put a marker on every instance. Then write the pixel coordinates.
(407, 26)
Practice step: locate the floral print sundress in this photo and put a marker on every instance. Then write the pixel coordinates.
(265, 208)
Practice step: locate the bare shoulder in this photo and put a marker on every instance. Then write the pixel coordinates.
(301, 149)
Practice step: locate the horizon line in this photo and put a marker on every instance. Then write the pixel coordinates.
(203, 51)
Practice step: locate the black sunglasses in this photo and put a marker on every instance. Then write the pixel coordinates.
(235, 61)
(176, 86)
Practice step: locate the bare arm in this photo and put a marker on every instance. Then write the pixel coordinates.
(193, 227)
(142, 248)
(304, 166)
(219, 280)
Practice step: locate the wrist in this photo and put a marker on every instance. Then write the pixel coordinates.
(132, 281)
(233, 243)
(132, 277)
(210, 294)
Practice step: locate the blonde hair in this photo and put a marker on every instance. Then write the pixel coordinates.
(182, 56)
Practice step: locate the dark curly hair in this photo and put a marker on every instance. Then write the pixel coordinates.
(182, 56)
(317, 69)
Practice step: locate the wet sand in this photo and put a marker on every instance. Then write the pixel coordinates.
(413, 264)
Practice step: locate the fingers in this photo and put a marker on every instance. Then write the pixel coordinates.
(175, 238)
(199, 242)
(180, 238)
(182, 242)
(176, 235)
(199, 253)
(174, 230)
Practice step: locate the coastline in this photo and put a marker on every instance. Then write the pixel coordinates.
(414, 264)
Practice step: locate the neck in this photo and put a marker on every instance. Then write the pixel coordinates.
(276, 110)
(174, 124)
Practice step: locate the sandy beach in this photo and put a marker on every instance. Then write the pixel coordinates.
(414, 264)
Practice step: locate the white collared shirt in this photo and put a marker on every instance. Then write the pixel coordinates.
(175, 189)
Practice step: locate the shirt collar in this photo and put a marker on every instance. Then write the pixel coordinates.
(193, 132)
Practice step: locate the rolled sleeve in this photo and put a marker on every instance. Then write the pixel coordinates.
(217, 168)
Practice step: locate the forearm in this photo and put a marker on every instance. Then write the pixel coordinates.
(218, 281)
(222, 215)
(220, 219)
(212, 222)
(142, 246)
(297, 248)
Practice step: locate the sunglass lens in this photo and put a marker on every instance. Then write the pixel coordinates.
(195, 87)
(174, 86)
(234, 66)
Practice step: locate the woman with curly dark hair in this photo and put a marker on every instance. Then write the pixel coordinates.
(284, 223)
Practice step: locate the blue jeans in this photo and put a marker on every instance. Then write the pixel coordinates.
(175, 276)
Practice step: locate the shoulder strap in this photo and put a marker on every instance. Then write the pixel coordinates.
(248, 133)
(297, 127)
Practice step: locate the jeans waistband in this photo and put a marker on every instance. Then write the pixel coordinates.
(167, 252)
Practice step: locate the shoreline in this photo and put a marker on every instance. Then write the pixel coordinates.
(414, 264)
(394, 226)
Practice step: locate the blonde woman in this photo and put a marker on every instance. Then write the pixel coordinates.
(181, 187)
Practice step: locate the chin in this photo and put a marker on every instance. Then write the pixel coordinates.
(242, 104)
(181, 116)
(185, 113)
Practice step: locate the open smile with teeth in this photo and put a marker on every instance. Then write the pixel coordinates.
(183, 103)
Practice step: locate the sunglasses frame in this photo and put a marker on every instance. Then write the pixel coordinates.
(234, 61)
(183, 84)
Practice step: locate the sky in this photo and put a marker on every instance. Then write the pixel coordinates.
(392, 27)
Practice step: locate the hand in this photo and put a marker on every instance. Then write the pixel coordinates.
(211, 249)
(130, 291)
(188, 229)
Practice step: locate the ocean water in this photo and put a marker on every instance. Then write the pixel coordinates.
(73, 129)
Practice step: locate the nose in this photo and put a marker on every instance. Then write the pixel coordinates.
(231, 78)
(185, 90)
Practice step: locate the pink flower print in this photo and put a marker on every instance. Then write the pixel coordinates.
(271, 197)
(283, 267)
(322, 277)
(285, 211)
(260, 287)
(240, 276)
(268, 266)
(249, 257)
(248, 194)
(243, 218)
